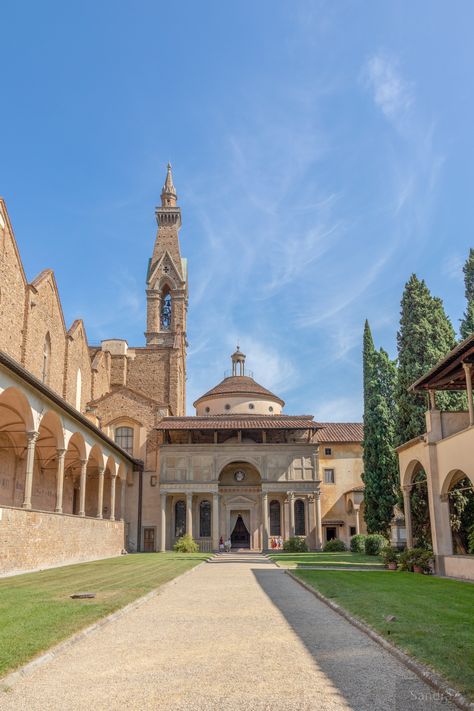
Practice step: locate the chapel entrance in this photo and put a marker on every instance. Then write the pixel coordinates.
(240, 537)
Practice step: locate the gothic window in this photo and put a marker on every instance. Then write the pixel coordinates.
(300, 529)
(179, 519)
(205, 519)
(46, 359)
(165, 316)
(124, 438)
(275, 519)
(78, 389)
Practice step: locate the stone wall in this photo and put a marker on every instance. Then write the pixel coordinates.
(12, 290)
(31, 539)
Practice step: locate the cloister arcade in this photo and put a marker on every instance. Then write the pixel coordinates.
(54, 462)
(437, 468)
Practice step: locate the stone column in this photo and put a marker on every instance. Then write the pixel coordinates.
(265, 520)
(82, 488)
(163, 523)
(113, 481)
(60, 481)
(357, 513)
(189, 514)
(318, 529)
(215, 522)
(291, 502)
(100, 493)
(123, 486)
(407, 507)
(468, 374)
(30, 463)
(306, 516)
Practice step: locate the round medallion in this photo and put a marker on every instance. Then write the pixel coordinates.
(239, 475)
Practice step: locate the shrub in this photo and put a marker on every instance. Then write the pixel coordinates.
(389, 555)
(470, 541)
(374, 543)
(358, 543)
(186, 544)
(416, 556)
(295, 544)
(335, 546)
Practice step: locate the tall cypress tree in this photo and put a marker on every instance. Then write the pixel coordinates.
(467, 323)
(380, 462)
(425, 336)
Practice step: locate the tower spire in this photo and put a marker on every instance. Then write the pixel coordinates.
(168, 194)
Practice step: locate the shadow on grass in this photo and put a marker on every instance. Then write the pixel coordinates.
(361, 672)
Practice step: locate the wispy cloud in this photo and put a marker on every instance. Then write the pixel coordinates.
(392, 93)
(339, 409)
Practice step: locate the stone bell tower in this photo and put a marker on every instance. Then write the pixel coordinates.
(167, 292)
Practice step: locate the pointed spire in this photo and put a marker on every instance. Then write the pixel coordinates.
(168, 194)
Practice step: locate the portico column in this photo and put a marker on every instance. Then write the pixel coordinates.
(291, 502)
(82, 488)
(357, 513)
(122, 499)
(100, 493)
(30, 463)
(215, 522)
(318, 529)
(112, 497)
(163, 523)
(189, 514)
(468, 374)
(265, 520)
(60, 481)
(407, 508)
(306, 516)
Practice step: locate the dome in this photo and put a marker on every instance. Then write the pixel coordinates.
(238, 394)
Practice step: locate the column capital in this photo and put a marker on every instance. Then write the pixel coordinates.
(32, 436)
(83, 463)
(407, 487)
(101, 470)
(61, 452)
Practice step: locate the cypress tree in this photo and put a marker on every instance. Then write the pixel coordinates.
(425, 336)
(380, 462)
(467, 323)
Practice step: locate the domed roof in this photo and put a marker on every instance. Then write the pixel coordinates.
(240, 385)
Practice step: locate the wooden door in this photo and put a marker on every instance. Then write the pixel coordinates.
(148, 540)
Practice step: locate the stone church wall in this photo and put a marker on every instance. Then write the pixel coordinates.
(12, 290)
(148, 372)
(77, 360)
(32, 540)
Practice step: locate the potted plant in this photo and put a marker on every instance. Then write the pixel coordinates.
(390, 557)
(422, 561)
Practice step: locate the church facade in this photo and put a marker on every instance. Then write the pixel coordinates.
(96, 434)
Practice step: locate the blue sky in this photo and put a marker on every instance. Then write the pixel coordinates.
(322, 152)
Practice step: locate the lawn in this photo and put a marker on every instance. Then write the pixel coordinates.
(332, 560)
(36, 611)
(434, 616)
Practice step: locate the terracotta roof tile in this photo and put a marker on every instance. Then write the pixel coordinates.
(239, 385)
(341, 432)
(239, 422)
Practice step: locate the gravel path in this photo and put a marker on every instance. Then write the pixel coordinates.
(235, 634)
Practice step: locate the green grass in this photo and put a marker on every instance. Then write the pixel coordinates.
(434, 616)
(333, 560)
(36, 611)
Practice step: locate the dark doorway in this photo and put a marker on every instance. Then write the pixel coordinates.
(331, 533)
(240, 537)
(148, 540)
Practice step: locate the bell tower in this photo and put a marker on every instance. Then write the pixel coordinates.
(167, 293)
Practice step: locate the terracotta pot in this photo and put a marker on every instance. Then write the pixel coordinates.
(417, 569)
(392, 565)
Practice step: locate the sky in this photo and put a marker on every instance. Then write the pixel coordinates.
(322, 152)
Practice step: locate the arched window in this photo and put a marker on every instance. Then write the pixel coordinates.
(300, 529)
(166, 310)
(46, 359)
(179, 519)
(78, 389)
(205, 519)
(124, 438)
(275, 518)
